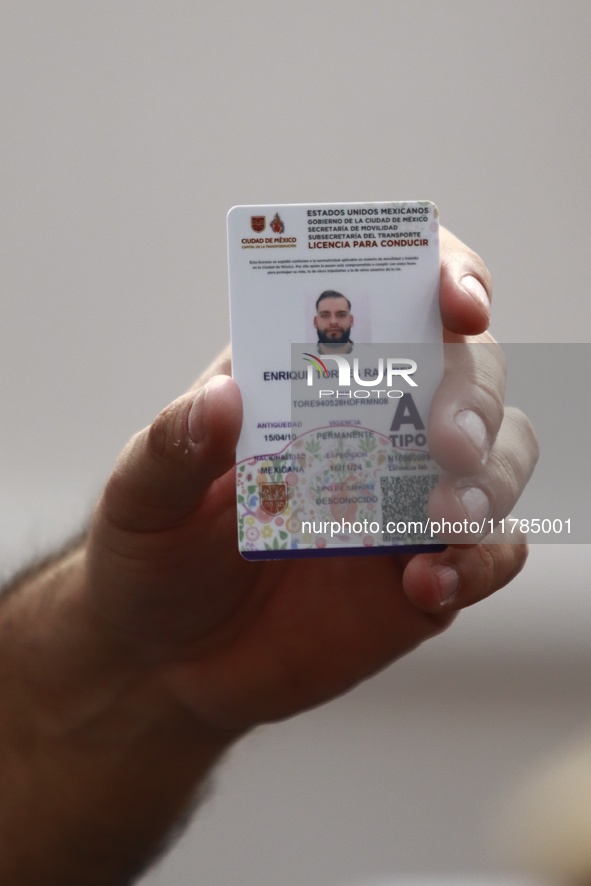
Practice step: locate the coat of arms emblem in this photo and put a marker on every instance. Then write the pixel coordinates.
(257, 223)
(276, 224)
(273, 498)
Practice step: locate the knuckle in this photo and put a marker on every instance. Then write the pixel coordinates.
(492, 398)
(477, 371)
(487, 562)
(515, 559)
(479, 575)
(527, 432)
(493, 366)
(500, 564)
(506, 479)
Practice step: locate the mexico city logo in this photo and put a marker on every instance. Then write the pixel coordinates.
(388, 370)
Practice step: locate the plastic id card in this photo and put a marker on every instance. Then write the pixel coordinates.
(337, 350)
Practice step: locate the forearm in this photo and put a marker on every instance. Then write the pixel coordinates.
(98, 761)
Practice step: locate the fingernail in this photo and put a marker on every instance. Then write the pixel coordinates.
(448, 581)
(196, 422)
(475, 503)
(473, 427)
(474, 288)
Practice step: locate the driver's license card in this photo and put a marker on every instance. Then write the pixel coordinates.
(337, 349)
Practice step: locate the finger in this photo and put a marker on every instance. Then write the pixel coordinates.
(166, 469)
(467, 409)
(461, 576)
(465, 287)
(476, 502)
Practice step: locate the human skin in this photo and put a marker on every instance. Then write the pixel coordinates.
(333, 320)
(130, 664)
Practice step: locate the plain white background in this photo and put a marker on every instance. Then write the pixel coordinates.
(129, 129)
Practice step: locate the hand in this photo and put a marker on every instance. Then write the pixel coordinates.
(239, 643)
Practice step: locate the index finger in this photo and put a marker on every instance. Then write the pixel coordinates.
(465, 287)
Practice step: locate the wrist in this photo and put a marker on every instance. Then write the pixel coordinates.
(92, 741)
(69, 673)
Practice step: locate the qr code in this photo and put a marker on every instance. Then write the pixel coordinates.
(404, 505)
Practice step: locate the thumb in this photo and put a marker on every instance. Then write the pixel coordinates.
(165, 471)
